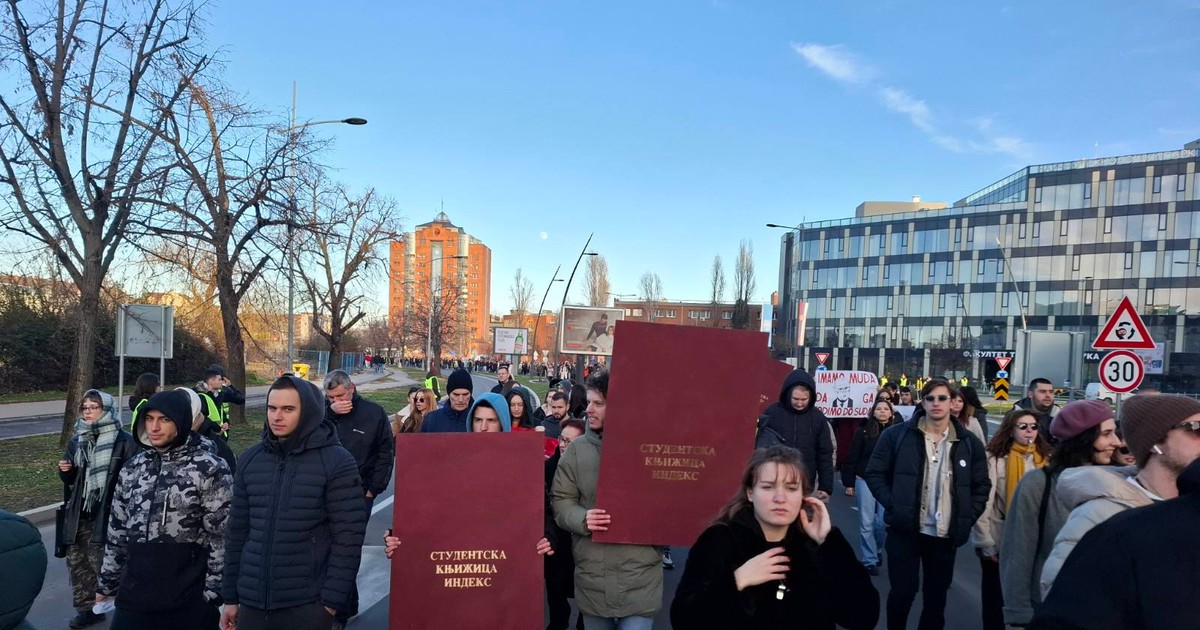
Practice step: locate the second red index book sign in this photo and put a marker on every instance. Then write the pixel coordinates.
(680, 422)
(468, 513)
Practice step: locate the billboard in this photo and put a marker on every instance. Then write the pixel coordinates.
(510, 340)
(588, 330)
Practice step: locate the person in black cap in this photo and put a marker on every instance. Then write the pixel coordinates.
(218, 393)
(166, 544)
(452, 417)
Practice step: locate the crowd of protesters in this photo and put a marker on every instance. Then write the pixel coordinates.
(162, 525)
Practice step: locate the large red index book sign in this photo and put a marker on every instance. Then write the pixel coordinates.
(468, 512)
(682, 407)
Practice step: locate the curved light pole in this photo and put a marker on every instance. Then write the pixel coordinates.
(290, 131)
(538, 320)
(429, 337)
(567, 291)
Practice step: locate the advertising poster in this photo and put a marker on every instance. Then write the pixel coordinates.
(510, 340)
(589, 330)
(845, 393)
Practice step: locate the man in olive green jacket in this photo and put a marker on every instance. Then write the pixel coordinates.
(617, 587)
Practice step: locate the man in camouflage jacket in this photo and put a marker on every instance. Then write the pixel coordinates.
(166, 545)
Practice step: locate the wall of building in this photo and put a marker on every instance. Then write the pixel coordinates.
(1056, 246)
(411, 277)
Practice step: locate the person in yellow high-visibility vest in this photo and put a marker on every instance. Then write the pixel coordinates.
(217, 394)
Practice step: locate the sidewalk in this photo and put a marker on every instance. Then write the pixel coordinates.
(14, 411)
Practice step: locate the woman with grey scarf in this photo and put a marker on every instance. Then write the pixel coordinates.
(89, 469)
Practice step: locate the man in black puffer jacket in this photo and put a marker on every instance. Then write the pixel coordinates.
(296, 567)
(800, 425)
(930, 475)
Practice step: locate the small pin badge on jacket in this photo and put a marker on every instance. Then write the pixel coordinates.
(962, 463)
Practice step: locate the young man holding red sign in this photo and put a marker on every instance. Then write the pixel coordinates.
(617, 587)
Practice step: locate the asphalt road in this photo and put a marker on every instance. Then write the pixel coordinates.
(53, 606)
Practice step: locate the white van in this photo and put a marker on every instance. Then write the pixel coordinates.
(1097, 391)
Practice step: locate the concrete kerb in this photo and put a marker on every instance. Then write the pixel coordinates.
(45, 514)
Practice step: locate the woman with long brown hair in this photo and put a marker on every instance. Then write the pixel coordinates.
(1017, 448)
(773, 560)
(421, 402)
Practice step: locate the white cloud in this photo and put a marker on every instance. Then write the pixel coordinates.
(902, 102)
(979, 135)
(835, 62)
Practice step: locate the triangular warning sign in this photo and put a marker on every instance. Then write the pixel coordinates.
(1124, 330)
(822, 357)
(1003, 362)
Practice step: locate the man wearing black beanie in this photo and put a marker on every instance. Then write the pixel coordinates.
(452, 417)
(166, 544)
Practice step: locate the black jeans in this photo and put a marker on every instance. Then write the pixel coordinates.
(909, 554)
(306, 617)
(992, 598)
(195, 616)
(560, 588)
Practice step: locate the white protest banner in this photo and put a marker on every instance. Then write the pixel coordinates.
(845, 393)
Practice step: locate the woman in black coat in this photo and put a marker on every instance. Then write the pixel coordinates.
(773, 560)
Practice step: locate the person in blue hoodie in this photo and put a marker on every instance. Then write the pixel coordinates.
(452, 417)
(489, 414)
(295, 533)
(795, 421)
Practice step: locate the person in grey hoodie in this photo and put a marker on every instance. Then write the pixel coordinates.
(1161, 430)
(1087, 435)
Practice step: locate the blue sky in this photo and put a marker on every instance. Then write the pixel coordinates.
(673, 129)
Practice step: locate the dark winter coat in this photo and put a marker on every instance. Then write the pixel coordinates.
(22, 567)
(367, 434)
(559, 566)
(826, 585)
(124, 449)
(296, 528)
(896, 474)
(807, 431)
(1138, 570)
(859, 453)
(445, 419)
(217, 443)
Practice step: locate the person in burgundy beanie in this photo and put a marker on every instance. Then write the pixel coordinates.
(1077, 417)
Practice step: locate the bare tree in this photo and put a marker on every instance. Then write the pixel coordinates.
(521, 293)
(650, 288)
(219, 203)
(718, 288)
(76, 164)
(443, 307)
(337, 258)
(595, 281)
(743, 285)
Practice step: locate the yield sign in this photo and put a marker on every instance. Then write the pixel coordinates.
(1003, 362)
(822, 357)
(1124, 330)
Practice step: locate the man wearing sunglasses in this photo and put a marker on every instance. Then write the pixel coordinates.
(930, 475)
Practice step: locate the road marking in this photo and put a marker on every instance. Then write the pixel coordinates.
(382, 504)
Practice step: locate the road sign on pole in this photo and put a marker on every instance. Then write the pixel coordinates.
(1000, 389)
(822, 357)
(1003, 363)
(1121, 371)
(1124, 330)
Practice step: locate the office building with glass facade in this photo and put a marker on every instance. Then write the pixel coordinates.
(939, 290)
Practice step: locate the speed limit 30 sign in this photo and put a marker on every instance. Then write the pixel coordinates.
(1121, 371)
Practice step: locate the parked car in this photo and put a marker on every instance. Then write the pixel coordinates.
(1097, 391)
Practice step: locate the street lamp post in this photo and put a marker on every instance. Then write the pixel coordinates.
(290, 131)
(429, 337)
(567, 291)
(538, 320)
